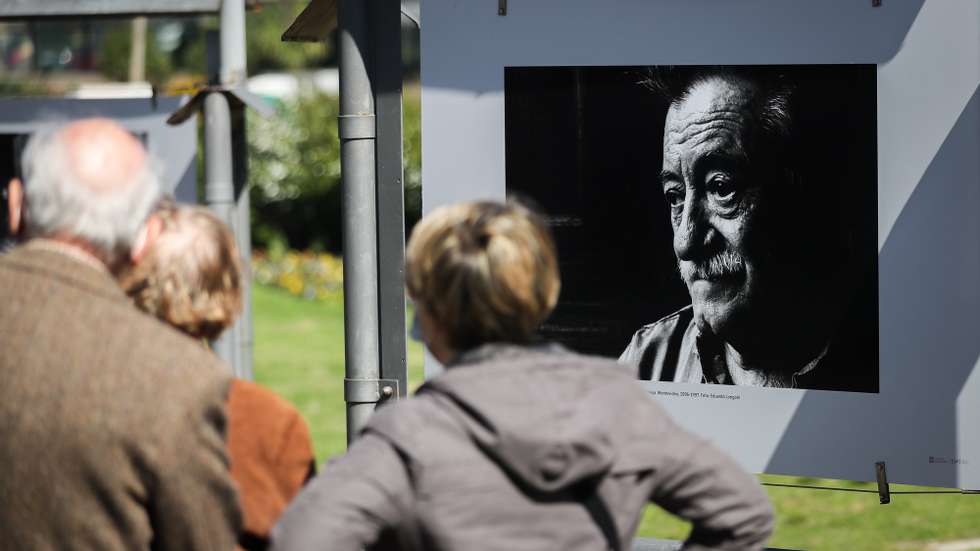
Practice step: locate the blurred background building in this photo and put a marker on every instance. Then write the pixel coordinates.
(294, 165)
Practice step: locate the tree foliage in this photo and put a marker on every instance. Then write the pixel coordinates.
(294, 173)
(115, 52)
(265, 49)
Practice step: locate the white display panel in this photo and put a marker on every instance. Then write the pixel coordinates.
(928, 190)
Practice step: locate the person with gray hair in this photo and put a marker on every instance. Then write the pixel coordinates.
(758, 167)
(98, 198)
(113, 424)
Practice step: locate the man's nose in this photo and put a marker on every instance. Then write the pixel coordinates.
(692, 232)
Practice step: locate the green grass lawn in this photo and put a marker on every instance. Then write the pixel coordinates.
(299, 353)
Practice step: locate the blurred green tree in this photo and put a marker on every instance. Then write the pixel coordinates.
(412, 156)
(264, 49)
(113, 57)
(294, 173)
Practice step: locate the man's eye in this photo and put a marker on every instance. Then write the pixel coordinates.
(675, 198)
(722, 188)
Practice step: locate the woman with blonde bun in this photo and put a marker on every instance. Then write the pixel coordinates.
(520, 444)
(190, 278)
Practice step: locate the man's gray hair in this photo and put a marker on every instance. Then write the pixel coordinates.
(55, 203)
(774, 105)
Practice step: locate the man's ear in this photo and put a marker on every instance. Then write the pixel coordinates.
(146, 238)
(15, 203)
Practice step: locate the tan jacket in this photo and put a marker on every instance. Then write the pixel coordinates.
(522, 449)
(112, 425)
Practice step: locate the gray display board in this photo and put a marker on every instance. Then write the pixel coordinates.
(174, 147)
(927, 55)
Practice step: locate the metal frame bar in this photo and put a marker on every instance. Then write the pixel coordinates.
(50, 9)
(226, 169)
(219, 190)
(386, 72)
(370, 124)
(244, 333)
(358, 180)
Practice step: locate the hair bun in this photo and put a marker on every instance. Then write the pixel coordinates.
(481, 294)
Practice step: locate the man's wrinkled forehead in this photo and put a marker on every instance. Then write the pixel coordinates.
(715, 103)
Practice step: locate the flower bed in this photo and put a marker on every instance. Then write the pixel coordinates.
(313, 276)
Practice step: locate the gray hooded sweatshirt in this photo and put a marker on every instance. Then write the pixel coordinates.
(523, 448)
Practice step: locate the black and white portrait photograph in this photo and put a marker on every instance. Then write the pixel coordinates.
(715, 224)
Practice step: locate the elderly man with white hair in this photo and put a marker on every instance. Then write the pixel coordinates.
(112, 424)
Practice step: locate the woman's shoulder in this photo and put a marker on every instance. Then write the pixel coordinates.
(416, 426)
(528, 358)
(405, 416)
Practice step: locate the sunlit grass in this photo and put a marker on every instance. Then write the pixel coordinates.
(299, 353)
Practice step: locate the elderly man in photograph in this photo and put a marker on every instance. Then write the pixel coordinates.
(112, 424)
(762, 173)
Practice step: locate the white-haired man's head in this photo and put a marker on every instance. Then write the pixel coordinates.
(91, 183)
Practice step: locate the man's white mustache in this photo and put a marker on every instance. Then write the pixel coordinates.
(724, 264)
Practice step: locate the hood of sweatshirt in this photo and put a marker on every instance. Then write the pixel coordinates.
(551, 418)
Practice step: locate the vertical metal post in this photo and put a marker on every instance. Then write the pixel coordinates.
(219, 190)
(884, 491)
(387, 78)
(243, 238)
(232, 42)
(137, 50)
(229, 71)
(357, 132)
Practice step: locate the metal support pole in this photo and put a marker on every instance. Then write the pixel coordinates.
(386, 70)
(232, 72)
(357, 158)
(137, 50)
(219, 189)
(884, 491)
(232, 18)
(243, 238)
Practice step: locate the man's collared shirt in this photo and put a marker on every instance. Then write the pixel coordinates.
(673, 349)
